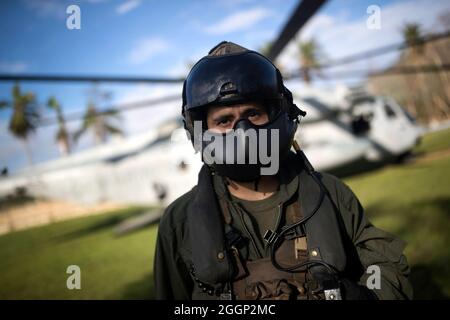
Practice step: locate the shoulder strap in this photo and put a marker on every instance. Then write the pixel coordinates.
(206, 233)
(323, 229)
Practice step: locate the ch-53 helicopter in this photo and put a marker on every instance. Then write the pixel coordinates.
(341, 134)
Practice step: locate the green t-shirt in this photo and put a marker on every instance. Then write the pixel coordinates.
(253, 218)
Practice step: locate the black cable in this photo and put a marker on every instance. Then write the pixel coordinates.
(280, 236)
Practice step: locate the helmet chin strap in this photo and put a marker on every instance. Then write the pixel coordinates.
(228, 182)
(296, 146)
(308, 166)
(256, 184)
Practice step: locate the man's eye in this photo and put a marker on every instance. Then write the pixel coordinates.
(253, 114)
(223, 122)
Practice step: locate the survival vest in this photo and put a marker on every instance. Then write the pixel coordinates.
(218, 269)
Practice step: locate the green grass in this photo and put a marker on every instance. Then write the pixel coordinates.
(33, 262)
(434, 141)
(410, 200)
(413, 202)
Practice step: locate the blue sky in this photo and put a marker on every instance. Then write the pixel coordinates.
(151, 37)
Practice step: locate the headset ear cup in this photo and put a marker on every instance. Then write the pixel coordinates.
(183, 99)
(292, 109)
(288, 95)
(187, 122)
(186, 127)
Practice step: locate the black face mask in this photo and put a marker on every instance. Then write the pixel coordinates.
(245, 153)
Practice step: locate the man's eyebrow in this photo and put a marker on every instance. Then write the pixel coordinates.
(222, 116)
(254, 108)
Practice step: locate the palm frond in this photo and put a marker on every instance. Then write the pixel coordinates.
(412, 35)
(52, 103)
(112, 129)
(4, 104)
(78, 133)
(62, 134)
(111, 112)
(99, 122)
(25, 116)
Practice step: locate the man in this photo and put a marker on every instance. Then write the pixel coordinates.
(261, 223)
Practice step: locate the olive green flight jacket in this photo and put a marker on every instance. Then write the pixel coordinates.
(373, 247)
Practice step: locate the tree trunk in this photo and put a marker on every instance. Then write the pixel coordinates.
(64, 148)
(306, 75)
(28, 152)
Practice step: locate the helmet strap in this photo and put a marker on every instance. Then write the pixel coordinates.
(256, 184)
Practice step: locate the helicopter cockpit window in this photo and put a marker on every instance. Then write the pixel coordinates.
(362, 114)
(390, 113)
(360, 124)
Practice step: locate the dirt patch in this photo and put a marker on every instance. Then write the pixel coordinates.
(432, 156)
(41, 212)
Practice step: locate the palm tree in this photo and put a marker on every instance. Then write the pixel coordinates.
(62, 135)
(309, 58)
(265, 48)
(100, 122)
(412, 35)
(425, 88)
(413, 55)
(24, 118)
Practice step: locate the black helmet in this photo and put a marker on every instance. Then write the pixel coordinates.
(231, 74)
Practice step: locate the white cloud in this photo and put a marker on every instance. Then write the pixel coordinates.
(238, 21)
(146, 49)
(128, 6)
(13, 67)
(318, 24)
(184, 65)
(339, 37)
(180, 69)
